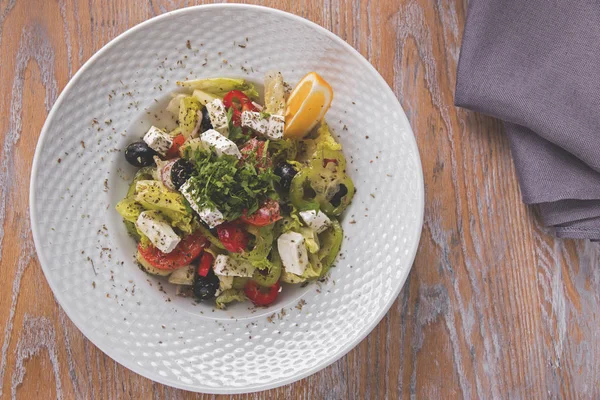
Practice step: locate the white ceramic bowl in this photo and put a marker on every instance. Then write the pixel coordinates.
(79, 174)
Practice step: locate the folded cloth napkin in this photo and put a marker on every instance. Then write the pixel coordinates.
(535, 64)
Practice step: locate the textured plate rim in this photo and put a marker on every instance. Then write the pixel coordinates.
(157, 378)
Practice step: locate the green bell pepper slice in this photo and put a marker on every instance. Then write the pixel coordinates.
(331, 243)
(271, 277)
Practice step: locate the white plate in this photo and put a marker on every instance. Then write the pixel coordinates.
(79, 174)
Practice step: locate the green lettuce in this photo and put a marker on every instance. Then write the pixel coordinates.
(129, 209)
(311, 240)
(259, 254)
(188, 115)
(152, 195)
(228, 296)
(221, 86)
(313, 271)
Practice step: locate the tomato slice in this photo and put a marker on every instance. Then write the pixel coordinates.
(240, 102)
(257, 147)
(233, 237)
(266, 215)
(177, 143)
(260, 298)
(205, 263)
(186, 251)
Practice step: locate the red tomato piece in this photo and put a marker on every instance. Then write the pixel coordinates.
(177, 143)
(266, 215)
(240, 102)
(205, 263)
(186, 251)
(256, 147)
(233, 237)
(260, 298)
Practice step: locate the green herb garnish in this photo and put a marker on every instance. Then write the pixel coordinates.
(236, 133)
(225, 184)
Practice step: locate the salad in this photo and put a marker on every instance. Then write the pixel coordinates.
(240, 197)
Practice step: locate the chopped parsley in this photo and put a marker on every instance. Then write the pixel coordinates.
(225, 184)
(236, 133)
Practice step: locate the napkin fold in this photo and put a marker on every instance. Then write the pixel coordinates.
(535, 64)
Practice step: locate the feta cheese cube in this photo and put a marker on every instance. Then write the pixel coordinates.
(293, 252)
(317, 221)
(158, 231)
(158, 140)
(271, 128)
(275, 128)
(254, 121)
(211, 217)
(218, 116)
(227, 266)
(219, 143)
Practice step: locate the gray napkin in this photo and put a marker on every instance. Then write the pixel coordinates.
(535, 64)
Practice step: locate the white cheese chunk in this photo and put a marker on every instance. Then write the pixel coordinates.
(219, 143)
(275, 128)
(218, 116)
(293, 252)
(254, 121)
(211, 217)
(158, 231)
(158, 140)
(317, 221)
(227, 266)
(271, 128)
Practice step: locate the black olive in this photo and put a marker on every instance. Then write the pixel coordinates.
(336, 200)
(205, 124)
(181, 171)
(205, 287)
(139, 154)
(286, 173)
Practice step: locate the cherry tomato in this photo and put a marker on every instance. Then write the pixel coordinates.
(174, 150)
(240, 102)
(205, 263)
(259, 297)
(256, 147)
(187, 250)
(233, 237)
(266, 215)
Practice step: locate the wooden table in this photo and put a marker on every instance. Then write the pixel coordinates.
(495, 307)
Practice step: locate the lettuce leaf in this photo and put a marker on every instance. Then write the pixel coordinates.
(283, 150)
(324, 141)
(274, 93)
(313, 271)
(152, 195)
(259, 254)
(229, 296)
(188, 115)
(311, 239)
(221, 86)
(203, 97)
(129, 209)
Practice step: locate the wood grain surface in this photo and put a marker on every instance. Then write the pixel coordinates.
(495, 307)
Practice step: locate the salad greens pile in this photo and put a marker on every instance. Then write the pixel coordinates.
(225, 207)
